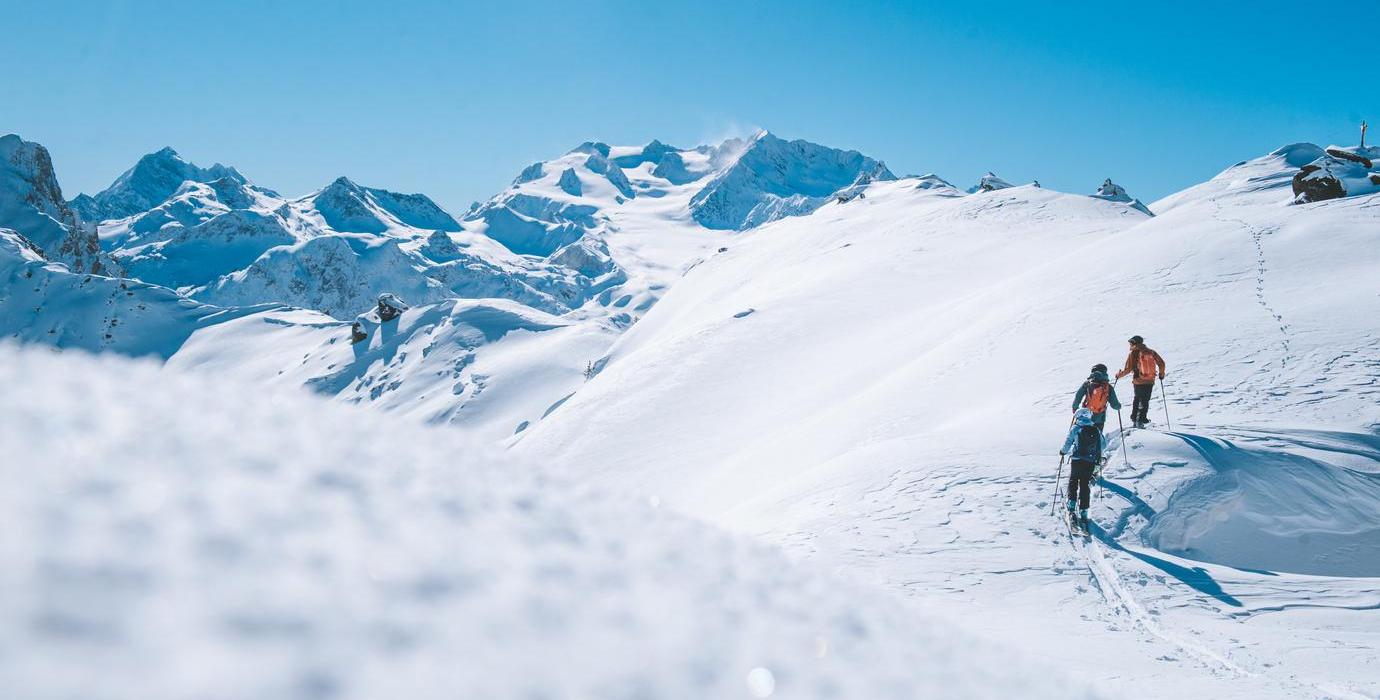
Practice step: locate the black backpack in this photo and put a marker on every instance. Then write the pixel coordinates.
(1088, 447)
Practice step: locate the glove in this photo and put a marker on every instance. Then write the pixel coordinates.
(1161, 376)
(1062, 453)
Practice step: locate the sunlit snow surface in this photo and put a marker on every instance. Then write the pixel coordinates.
(882, 387)
(878, 387)
(169, 536)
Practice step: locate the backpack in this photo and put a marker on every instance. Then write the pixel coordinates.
(1095, 399)
(1145, 365)
(1088, 448)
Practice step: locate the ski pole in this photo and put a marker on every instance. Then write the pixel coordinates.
(1121, 425)
(1058, 475)
(1164, 386)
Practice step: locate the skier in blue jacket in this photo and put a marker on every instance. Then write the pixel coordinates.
(1085, 445)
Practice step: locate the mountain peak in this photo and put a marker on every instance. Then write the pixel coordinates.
(651, 153)
(153, 179)
(344, 182)
(348, 206)
(593, 147)
(767, 178)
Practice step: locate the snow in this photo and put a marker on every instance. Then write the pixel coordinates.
(190, 256)
(881, 388)
(44, 302)
(172, 536)
(1274, 509)
(871, 376)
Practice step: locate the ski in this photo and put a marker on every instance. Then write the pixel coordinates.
(1078, 528)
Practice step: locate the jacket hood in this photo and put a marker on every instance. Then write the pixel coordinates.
(1083, 417)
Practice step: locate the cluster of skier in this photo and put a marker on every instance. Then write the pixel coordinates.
(1086, 444)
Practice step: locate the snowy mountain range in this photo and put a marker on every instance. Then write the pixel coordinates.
(788, 341)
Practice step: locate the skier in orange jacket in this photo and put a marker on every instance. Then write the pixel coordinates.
(1143, 364)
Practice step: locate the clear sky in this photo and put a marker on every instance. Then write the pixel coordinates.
(453, 98)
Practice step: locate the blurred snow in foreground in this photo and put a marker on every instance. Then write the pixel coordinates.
(166, 536)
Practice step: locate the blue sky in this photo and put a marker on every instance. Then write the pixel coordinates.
(453, 99)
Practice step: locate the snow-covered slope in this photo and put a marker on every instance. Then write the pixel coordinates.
(882, 387)
(486, 365)
(45, 302)
(172, 537)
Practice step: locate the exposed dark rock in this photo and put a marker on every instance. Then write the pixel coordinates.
(570, 183)
(357, 333)
(1343, 155)
(1314, 183)
(390, 307)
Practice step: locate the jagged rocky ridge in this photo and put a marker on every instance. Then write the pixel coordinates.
(31, 205)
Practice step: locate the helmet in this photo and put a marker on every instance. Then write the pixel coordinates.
(1137, 340)
(1099, 367)
(1083, 417)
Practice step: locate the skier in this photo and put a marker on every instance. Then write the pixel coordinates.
(1095, 394)
(1142, 364)
(1086, 444)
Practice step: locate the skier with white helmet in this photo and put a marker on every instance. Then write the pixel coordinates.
(1085, 445)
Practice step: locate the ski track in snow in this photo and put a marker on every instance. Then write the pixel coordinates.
(884, 537)
(1116, 595)
(1119, 598)
(1100, 560)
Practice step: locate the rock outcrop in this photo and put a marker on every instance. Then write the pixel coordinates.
(989, 183)
(390, 307)
(31, 203)
(1338, 172)
(1113, 192)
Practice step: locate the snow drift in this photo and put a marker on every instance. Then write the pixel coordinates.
(216, 545)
